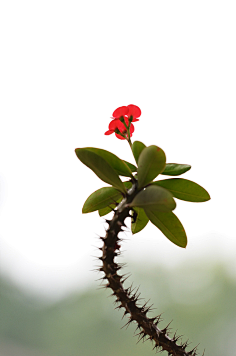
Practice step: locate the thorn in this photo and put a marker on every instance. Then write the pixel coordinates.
(99, 279)
(184, 345)
(117, 300)
(155, 347)
(129, 290)
(119, 307)
(166, 329)
(122, 265)
(98, 269)
(117, 268)
(160, 318)
(102, 287)
(136, 296)
(155, 320)
(124, 279)
(127, 324)
(134, 299)
(137, 327)
(125, 312)
(176, 338)
(149, 309)
(141, 336)
(143, 308)
(96, 246)
(105, 286)
(135, 293)
(150, 338)
(124, 224)
(193, 351)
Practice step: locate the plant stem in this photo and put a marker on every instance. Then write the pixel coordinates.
(130, 144)
(129, 299)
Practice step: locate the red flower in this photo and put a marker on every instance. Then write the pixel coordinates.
(125, 112)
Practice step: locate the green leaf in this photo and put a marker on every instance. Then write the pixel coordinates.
(154, 198)
(100, 199)
(137, 148)
(115, 162)
(108, 209)
(128, 184)
(151, 162)
(184, 189)
(170, 225)
(174, 169)
(131, 166)
(100, 167)
(140, 222)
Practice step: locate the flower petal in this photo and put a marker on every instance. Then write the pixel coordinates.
(134, 111)
(116, 124)
(131, 130)
(119, 136)
(121, 111)
(109, 132)
(126, 112)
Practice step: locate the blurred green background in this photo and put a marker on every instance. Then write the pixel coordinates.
(65, 66)
(199, 298)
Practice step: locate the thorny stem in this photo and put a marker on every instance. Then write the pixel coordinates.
(125, 298)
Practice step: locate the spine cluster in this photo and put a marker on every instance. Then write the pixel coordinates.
(127, 298)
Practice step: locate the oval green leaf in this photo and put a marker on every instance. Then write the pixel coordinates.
(137, 148)
(169, 225)
(151, 162)
(115, 162)
(100, 199)
(175, 169)
(108, 209)
(131, 166)
(100, 167)
(154, 198)
(140, 222)
(184, 189)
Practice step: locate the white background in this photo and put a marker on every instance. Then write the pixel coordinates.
(65, 66)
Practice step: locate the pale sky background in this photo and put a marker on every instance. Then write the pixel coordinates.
(65, 66)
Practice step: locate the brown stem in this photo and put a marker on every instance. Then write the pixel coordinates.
(125, 297)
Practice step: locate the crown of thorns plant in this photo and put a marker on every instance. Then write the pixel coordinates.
(142, 198)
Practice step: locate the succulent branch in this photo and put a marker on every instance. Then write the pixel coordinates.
(126, 298)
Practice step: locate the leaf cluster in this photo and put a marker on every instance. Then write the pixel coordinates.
(153, 200)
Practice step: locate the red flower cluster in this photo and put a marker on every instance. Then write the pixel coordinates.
(127, 112)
